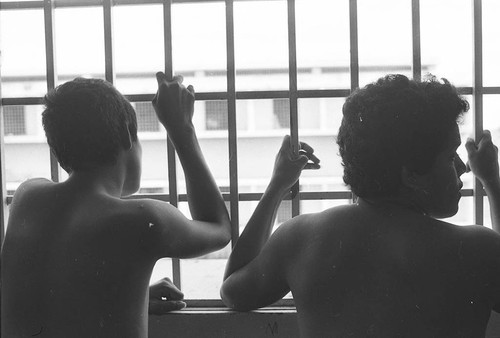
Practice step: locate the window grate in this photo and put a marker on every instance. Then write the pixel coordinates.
(216, 115)
(14, 120)
(220, 107)
(146, 117)
(281, 110)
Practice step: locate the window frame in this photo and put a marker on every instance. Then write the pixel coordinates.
(231, 95)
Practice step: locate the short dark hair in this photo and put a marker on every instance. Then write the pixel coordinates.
(394, 123)
(86, 122)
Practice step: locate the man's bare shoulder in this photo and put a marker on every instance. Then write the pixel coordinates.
(32, 186)
(150, 209)
(300, 230)
(481, 237)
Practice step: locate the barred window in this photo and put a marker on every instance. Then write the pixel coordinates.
(146, 117)
(14, 120)
(289, 74)
(284, 212)
(281, 110)
(216, 115)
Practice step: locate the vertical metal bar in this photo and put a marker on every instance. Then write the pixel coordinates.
(353, 33)
(294, 120)
(232, 131)
(353, 38)
(415, 28)
(4, 210)
(50, 61)
(108, 41)
(477, 97)
(172, 168)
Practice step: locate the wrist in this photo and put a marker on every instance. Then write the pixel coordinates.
(183, 135)
(493, 182)
(277, 188)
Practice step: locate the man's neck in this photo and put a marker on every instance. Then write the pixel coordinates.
(102, 180)
(392, 204)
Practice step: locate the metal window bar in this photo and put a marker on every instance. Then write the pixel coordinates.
(477, 90)
(477, 98)
(354, 56)
(109, 72)
(294, 120)
(3, 188)
(50, 59)
(171, 161)
(415, 29)
(232, 130)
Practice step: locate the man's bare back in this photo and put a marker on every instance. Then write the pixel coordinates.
(77, 257)
(66, 247)
(384, 266)
(385, 273)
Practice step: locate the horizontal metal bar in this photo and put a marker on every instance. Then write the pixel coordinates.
(95, 3)
(21, 5)
(464, 90)
(21, 101)
(210, 73)
(323, 93)
(246, 197)
(139, 97)
(491, 90)
(211, 96)
(254, 95)
(250, 95)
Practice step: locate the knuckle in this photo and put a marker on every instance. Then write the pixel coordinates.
(166, 279)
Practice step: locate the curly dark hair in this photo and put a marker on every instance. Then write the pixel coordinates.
(394, 123)
(86, 122)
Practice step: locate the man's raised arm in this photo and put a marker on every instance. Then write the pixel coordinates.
(483, 161)
(210, 228)
(287, 169)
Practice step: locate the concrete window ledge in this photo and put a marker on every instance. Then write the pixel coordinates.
(224, 323)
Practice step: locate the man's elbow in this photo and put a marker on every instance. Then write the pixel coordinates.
(232, 301)
(224, 236)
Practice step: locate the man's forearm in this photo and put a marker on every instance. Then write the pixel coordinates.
(492, 189)
(257, 231)
(204, 197)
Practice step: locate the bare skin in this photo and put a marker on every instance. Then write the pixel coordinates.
(77, 258)
(165, 297)
(377, 268)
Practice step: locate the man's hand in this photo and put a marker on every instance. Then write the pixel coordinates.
(288, 165)
(165, 297)
(483, 158)
(174, 105)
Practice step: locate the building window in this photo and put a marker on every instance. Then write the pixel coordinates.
(14, 120)
(281, 110)
(216, 115)
(284, 212)
(146, 117)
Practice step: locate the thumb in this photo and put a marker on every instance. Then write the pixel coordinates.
(160, 77)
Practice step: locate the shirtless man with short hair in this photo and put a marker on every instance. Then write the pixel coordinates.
(77, 258)
(384, 266)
